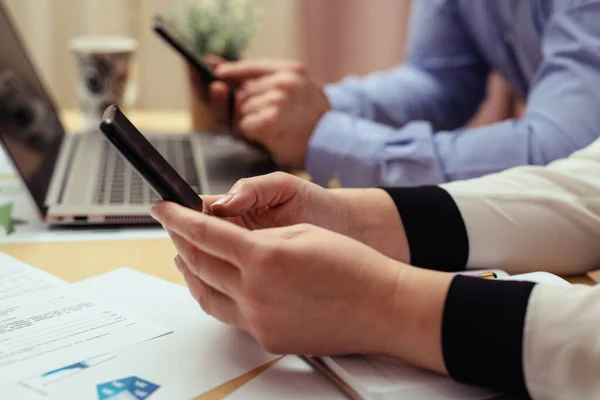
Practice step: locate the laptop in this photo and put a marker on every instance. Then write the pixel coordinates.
(80, 179)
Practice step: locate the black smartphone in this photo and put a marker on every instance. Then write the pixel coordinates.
(203, 69)
(150, 164)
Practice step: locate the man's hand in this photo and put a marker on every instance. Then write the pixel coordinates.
(279, 199)
(215, 95)
(278, 106)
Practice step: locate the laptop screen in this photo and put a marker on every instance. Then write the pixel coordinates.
(29, 126)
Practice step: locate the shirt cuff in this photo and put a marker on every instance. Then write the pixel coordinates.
(483, 332)
(436, 233)
(332, 155)
(340, 100)
(317, 163)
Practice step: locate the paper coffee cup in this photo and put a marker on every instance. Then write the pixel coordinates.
(104, 66)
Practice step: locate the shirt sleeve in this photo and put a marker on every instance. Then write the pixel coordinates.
(442, 81)
(538, 341)
(407, 140)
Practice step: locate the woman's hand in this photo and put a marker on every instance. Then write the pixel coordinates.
(303, 289)
(279, 199)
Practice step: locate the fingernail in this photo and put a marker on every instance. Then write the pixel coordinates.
(154, 213)
(225, 199)
(178, 263)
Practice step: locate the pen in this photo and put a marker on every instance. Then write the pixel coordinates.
(488, 275)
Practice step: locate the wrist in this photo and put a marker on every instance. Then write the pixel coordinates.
(370, 216)
(344, 209)
(415, 315)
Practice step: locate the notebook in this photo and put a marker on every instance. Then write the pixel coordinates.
(383, 378)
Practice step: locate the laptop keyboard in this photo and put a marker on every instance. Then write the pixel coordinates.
(119, 183)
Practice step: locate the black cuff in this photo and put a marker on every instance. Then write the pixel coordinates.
(436, 233)
(482, 332)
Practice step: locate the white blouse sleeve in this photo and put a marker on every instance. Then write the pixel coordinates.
(539, 341)
(534, 218)
(561, 349)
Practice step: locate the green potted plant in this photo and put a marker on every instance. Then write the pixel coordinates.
(221, 28)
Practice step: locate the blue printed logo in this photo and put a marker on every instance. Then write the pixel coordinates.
(132, 388)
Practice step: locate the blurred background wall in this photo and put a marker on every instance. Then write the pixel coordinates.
(333, 37)
(341, 37)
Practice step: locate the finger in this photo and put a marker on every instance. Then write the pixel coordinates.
(236, 131)
(261, 101)
(248, 69)
(208, 201)
(269, 190)
(256, 125)
(219, 101)
(212, 302)
(281, 81)
(218, 274)
(212, 235)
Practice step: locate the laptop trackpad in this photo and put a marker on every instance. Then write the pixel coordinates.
(226, 160)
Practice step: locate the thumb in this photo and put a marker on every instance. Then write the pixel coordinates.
(208, 201)
(270, 190)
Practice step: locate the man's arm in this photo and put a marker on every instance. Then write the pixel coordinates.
(442, 81)
(561, 117)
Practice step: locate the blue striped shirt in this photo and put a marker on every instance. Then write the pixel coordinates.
(405, 126)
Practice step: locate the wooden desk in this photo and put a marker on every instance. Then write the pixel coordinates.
(74, 261)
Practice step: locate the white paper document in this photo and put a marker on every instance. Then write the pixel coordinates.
(199, 355)
(49, 329)
(18, 279)
(46, 324)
